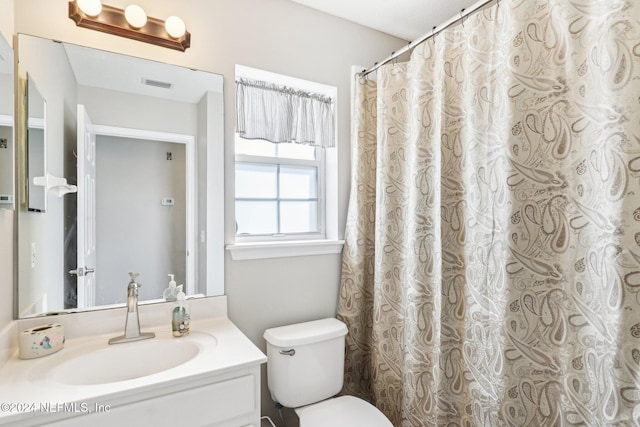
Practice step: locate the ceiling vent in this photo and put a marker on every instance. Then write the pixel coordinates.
(157, 83)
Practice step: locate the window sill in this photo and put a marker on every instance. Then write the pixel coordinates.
(259, 250)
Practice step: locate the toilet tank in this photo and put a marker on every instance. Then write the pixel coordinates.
(305, 361)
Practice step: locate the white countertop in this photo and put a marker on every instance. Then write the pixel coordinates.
(22, 396)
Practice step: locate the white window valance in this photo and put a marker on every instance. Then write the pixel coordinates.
(282, 114)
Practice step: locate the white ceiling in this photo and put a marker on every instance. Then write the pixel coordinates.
(406, 19)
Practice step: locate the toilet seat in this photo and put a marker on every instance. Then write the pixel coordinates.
(343, 411)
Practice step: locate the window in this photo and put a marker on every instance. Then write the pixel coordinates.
(285, 191)
(279, 191)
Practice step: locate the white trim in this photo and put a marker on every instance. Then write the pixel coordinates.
(259, 250)
(268, 160)
(279, 237)
(35, 123)
(189, 141)
(330, 182)
(7, 121)
(215, 193)
(143, 134)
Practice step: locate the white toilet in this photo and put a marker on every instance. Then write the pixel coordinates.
(305, 370)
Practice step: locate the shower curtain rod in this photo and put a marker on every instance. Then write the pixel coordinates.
(434, 31)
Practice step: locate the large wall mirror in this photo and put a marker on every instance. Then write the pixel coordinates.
(131, 178)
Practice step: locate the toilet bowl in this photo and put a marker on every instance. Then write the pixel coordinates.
(343, 411)
(305, 370)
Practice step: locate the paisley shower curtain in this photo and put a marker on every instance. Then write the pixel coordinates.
(491, 270)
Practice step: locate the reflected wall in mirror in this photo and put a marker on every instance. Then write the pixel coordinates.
(6, 126)
(142, 144)
(36, 147)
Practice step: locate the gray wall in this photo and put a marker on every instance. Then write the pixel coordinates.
(121, 109)
(274, 35)
(134, 231)
(6, 89)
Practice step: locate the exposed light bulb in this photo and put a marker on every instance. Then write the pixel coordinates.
(90, 7)
(175, 27)
(135, 16)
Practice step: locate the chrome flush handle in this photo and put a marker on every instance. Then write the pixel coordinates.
(291, 352)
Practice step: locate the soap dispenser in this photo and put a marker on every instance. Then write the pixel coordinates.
(171, 293)
(180, 316)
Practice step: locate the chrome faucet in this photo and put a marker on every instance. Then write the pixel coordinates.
(132, 325)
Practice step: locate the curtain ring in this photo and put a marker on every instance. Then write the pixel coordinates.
(433, 33)
(395, 58)
(462, 16)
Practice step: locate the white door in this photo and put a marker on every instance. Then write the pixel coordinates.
(86, 213)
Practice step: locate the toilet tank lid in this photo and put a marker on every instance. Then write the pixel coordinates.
(305, 333)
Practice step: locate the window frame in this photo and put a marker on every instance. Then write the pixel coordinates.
(320, 164)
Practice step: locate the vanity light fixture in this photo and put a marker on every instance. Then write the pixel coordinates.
(135, 16)
(175, 27)
(91, 8)
(132, 23)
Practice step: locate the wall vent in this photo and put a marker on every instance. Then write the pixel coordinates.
(157, 83)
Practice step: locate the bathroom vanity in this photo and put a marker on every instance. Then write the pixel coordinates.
(209, 378)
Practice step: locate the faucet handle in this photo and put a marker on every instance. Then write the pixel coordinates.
(133, 284)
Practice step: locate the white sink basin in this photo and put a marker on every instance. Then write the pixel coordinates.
(95, 362)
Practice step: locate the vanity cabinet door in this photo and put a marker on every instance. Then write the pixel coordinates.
(230, 403)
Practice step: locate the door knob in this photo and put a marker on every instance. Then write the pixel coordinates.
(82, 271)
